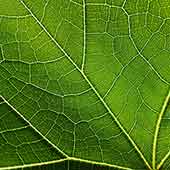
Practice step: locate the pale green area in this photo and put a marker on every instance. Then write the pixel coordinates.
(51, 109)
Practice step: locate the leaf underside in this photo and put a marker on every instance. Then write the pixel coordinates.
(84, 84)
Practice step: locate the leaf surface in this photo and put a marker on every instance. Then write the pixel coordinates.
(84, 84)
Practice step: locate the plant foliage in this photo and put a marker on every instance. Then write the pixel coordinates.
(84, 84)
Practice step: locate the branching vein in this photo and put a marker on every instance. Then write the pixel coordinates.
(91, 85)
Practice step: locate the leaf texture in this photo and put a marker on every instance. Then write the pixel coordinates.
(84, 84)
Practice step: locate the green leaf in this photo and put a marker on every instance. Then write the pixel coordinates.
(84, 84)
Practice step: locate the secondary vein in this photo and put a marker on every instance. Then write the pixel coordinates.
(63, 160)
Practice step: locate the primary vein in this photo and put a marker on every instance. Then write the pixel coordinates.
(158, 128)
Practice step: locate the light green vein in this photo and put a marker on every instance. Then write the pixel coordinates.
(63, 160)
(163, 160)
(32, 165)
(84, 36)
(95, 91)
(157, 132)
